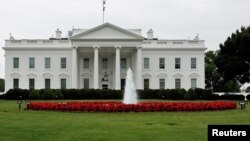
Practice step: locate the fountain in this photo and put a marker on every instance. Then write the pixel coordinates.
(130, 95)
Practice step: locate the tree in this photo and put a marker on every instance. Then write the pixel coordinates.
(248, 89)
(1, 85)
(213, 79)
(233, 60)
(231, 86)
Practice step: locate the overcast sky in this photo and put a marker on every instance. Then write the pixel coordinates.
(213, 20)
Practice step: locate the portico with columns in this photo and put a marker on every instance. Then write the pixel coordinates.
(96, 71)
(103, 48)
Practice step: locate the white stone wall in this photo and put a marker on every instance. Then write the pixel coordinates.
(170, 73)
(39, 73)
(55, 73)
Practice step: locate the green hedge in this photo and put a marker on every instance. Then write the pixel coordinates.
(172, 94)
(147, 94)
(168, 94)
(232, 97)
(2, 96)
(91, 94)
(34, 94)
(16, 94)
(50, 94)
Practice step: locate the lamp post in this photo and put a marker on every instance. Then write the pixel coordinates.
(242, 104)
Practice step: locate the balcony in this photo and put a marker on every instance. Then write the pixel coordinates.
(37, 43)
(173, 43)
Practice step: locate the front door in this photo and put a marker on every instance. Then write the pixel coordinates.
(105, 86)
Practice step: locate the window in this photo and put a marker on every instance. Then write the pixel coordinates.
(123, 63)
(146, 63)
(63, 63)
(177, 63)
(105, 63)
(193, 63)
(15, 83)
(193, 83)
(123, 83)
(177, 83)
(162, 63)
(146, 83)
(86, 83)
(63, 83)
(162, 83)
(31, 63)
(86, 63)
(47, 83)
(15, 63)
(32, 84)
(47, 63)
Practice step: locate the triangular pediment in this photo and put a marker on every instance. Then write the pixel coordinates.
(107, 31)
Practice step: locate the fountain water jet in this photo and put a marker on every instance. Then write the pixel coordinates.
(130, 95)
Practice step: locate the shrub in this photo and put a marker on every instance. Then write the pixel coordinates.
(71, 93)
(208, 95)
(200, 93)
(177, 93)
(2, 96)
(50, 94)
(164, 94)
(113, 94)
(232, 97)
(16, 94)
(91, 94)
(170, 94)
(248, 97)
(191, 94)
(147, 94)
(34, 94)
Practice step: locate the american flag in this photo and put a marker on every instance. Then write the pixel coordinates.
(104, 2)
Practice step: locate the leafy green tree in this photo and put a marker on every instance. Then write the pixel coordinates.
(231, 86)
(213, 79)
(1, 85)
(233, 60)
(248, 89)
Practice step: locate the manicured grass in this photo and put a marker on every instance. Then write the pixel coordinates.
(23, 125)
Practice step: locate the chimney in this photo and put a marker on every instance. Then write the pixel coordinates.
(58, 34)
(150, 34)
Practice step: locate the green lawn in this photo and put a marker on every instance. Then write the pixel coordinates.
(23, 125)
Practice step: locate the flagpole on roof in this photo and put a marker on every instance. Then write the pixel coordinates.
(103, 10)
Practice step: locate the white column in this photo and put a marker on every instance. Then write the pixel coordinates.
(117, 68)
(96, 67)
(74, 68)
(139, 67)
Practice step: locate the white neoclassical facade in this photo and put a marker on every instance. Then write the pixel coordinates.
(99, 58)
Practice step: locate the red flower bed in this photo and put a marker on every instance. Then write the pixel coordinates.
(141, 107)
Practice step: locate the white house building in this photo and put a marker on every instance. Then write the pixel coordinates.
(99, 58)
